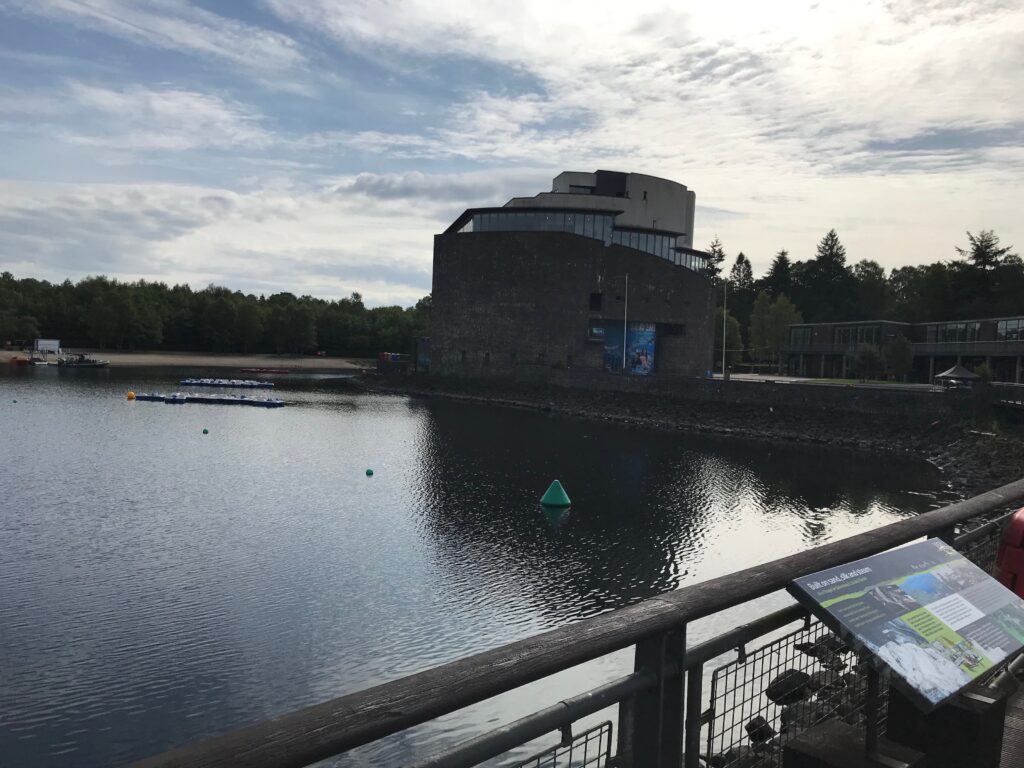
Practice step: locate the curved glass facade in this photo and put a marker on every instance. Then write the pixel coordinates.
(599, 226)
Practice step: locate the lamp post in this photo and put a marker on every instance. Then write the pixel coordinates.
(725, 315)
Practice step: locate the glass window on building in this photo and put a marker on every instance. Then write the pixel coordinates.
(577, 225)
(634, 239)
(588, 225)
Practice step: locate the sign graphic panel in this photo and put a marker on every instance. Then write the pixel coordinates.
(935, 619)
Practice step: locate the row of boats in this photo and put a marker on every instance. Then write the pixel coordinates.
(63, 361)
(235, 383)
(211, 398)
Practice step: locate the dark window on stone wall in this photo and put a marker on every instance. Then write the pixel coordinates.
(596, 301)
(463, 355)
(673, 329)
(487, 358)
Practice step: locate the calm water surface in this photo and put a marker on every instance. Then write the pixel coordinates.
(158, 585)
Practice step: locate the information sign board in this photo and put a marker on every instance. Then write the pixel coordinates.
(924, 611)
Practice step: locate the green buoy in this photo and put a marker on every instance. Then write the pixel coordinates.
(555, 496)
(206, 431)
(369, 473)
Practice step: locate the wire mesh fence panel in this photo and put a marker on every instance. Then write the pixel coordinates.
(590, 749)
(769, 695)
(981, 550)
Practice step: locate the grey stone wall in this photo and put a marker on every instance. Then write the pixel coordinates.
(517, 305)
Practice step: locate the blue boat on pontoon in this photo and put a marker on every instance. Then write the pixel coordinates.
(211, 398)
(226, 383)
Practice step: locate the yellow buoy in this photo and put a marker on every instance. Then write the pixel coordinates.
(131, 395)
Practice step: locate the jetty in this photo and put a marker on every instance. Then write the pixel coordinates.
(228, 383)
(208, 398)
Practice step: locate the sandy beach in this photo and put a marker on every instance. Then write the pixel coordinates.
(205, 360)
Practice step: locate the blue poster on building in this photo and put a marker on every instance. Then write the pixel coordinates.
(640, 349)
(613, 347)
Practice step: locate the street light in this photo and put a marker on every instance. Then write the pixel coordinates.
(725, 315)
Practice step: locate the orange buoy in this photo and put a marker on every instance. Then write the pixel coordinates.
(131, 395)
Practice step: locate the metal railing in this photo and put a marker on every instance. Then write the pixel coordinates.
(660, 713)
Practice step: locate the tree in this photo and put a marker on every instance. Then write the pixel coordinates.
(831, 252)
(872, 289)
(716, 257)
(741, 275)
(984, 372)
(824, 286)
(783, 314)
(759, 332)
(733, 339)
(249, 324)
(867, 361)
(779, 279)
(984, 251)
(898, 357)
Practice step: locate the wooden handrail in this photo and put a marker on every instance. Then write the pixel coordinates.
(307, 735)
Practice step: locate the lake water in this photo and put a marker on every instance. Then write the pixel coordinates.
(159, 585)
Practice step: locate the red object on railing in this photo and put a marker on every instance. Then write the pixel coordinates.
(1010, 557)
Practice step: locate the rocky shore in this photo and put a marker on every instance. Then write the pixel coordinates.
(972, 457)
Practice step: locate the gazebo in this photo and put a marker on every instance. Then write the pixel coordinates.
(954, 376)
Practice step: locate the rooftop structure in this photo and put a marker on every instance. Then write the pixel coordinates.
(597, 275)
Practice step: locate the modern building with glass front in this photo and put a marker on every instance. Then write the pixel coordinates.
(598, 274)
(827, 349)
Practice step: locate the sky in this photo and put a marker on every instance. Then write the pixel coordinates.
(316, 146)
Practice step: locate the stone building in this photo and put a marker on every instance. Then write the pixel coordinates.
(596, 275)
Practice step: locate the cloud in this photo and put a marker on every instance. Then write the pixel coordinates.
(474, 189)
(896, 122)
(274, 238)
(163, 119)
(176, 26)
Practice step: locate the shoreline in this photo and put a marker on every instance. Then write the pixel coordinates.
(968, 459)
(220, 360)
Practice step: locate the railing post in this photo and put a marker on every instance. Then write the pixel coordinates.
(691, 737)
(651, 723)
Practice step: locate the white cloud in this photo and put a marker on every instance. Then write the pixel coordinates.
(170, 25)
(272, 238)
(139, 118)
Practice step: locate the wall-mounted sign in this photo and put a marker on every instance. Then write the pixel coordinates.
(924, 611)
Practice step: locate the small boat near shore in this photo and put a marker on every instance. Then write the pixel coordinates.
(81, 361)
(228, 383)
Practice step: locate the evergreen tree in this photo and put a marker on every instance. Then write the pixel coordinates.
(779, 279)
(984, 251)
(741, 275)
(831, 253)
(716, 257)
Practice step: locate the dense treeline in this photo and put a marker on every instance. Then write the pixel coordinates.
(106, 313)
(983, 279)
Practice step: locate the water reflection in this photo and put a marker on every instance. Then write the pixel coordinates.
(158, 585)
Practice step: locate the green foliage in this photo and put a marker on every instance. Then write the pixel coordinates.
(716, 257)
(769, 326)
(733, 339)
(984, 371)
(867, 361)
(99, 312)
(898, 357)
(741, 276)
(779, 279)
(984, 251)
